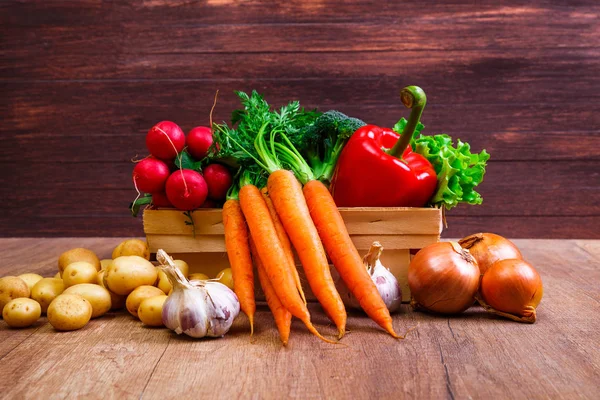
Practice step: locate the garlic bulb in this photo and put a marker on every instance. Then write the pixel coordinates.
(384, 280)
(204, 308)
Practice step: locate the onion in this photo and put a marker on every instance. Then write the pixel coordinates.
(512, 289)
(443, 277)
(487, 248)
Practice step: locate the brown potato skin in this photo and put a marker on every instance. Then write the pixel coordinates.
(79, 272)
(46, 290)
(150, 310)
(97, 295)
(12, 287)
(31, 279)
(69, 312)
(78, 254)
(21, 312)
(132, 247)
(116, 300)
(127, 273)
(141, 293)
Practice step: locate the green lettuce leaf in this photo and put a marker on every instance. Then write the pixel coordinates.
(458, 170)
(399, 127)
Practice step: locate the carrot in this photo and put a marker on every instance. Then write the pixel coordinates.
(272, 255)
(283, 318)
(286, 193)
(238, 252)
(284, 239)
(344, 255)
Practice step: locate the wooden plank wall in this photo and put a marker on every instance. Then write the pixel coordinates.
(82, 81)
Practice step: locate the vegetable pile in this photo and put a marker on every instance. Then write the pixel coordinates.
(279, 176)
(283, 173)
(447, 278)
(86, 287)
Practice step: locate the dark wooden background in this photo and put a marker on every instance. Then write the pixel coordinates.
(82, 81)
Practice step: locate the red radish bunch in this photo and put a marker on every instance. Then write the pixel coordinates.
(159, 199)
(150, 175)
(186, 189)
(219, 179)
(165, 140)
(198, 141)
(181, 187)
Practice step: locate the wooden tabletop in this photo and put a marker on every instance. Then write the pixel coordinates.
(471, 355)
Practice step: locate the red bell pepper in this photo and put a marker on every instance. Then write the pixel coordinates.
(377, 167)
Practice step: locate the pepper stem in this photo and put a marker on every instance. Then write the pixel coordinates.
(413, 97)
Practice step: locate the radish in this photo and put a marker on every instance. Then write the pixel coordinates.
(198, 141)
(150, 175)
(186, 189)
(159, 199)
(218, 178)
(210, 203)
(165, 139)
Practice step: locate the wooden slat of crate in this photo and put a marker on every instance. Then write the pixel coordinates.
(359, 220)
(216, 243)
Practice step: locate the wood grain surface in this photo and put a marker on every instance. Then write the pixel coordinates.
(82, 82)
(473, 355)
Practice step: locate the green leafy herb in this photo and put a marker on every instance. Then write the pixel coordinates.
(186, 161)
(190, 222)
(236, 143)
(139, 202)
(458, 170)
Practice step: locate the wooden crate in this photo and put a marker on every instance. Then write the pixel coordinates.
(398, 229)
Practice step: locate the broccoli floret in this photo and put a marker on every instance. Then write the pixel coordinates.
(325, 139)
(338, 122)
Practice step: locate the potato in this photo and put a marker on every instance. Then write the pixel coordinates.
(58, 275)
(78, 254)
(98, 297)
(47, 290)
(79, 272)
(198, 277)
(12, 287)
(116, 300)
(105, 263)
(21, 312)
(226, 278)
(129, 272)
(182, 266)
(31, 279)
(163, 282)
(132, 247)
(69, 312)
(136, 297)
(150, 310)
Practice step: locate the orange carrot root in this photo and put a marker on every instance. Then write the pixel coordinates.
(272, 255)
(283, 318)
(238, 252)
(286, 193)
(285, 240)
(344, 255)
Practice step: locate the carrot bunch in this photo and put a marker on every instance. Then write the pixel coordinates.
(294, 210)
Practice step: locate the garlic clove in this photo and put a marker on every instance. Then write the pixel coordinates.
(388, 286)
(384, 280)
